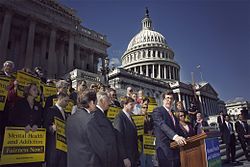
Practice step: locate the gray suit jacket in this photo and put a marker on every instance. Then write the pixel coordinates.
(107, 132)
(83, 141)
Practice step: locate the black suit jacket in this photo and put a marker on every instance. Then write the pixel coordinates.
(52, 154)
(84, 141)
(107, 133)
(241, 130)
(165, 130)
(129, 138)
(49, 101)
(22, 115)
(219, 120)
(226, 136)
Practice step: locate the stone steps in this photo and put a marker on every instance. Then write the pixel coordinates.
(239, 155)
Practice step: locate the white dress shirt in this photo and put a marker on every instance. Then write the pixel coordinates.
(61, 110)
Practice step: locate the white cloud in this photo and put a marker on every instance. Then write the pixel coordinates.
(115, 61)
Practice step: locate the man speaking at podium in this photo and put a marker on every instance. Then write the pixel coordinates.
(167, 129)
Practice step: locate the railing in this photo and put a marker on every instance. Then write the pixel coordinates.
(86, 31)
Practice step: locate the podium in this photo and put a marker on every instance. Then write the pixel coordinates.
(201, 150)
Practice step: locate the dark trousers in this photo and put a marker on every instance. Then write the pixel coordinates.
(59, 160)
(230, 149)
(165, 162)
(244, 146)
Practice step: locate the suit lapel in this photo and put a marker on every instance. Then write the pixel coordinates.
(132, 124)
(167, 117)
(60, 114)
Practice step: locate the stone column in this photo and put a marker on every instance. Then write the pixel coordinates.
(5, 36)
(91, 61)
(203, 104)
(159, 71)
(210, 106)
(71, 53)
(153, 71)
(179, 96)
(176, 73)
(103, 63)
(61, 63)
(184, 101)
(170, 77)
(178, 76)
(30, 45)
(157, 53)
(173, 72)
(21, 59)
(43, 61)
(147, 70)
(134, 69)
(207, 108)
(78, 60)
(52, 56)
(200, 102)
(141, 72)
(165, 72)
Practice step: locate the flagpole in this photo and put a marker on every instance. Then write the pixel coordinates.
(199, 68)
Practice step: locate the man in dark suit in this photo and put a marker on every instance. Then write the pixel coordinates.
(106, 131)
(220, 118)
(62, 87)
(228, 138)
(128, 132)
(241, 127)
(54, 156)
(85, 144)
(167, 129)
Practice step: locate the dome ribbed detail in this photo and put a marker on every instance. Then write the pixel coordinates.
(146, 37)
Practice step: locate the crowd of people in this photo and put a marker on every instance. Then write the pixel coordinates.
(92, 139)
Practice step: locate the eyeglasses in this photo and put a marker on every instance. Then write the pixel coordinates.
(181, 115)
(145, 107)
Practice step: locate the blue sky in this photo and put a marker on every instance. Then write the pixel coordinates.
(212, 33)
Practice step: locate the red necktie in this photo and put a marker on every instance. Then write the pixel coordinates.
(171, 115)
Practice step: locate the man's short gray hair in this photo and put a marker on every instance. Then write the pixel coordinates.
(62, 84)
(101, 95)
(9, 62)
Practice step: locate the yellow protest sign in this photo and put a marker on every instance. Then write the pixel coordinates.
(3, 92)
(149, 145)
(22, 147)
(151, 107)
(23, 79)
(139, 143)
(152, 104)
(48, 90)
(112, 112)
(61, 143)
(139, 123)
(69, 107)
(152, 100)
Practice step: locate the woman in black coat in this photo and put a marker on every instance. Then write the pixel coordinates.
(186, 127)
(27, 113)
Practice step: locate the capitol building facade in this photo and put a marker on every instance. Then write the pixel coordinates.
(48, 34)
(148, 54)
(148, 64)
